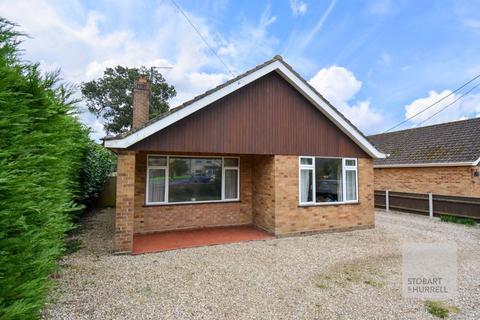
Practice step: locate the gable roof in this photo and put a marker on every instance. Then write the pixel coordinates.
(276, 64)
(447, 144)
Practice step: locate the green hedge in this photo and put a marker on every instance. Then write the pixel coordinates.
(41, 149)
(98, 163)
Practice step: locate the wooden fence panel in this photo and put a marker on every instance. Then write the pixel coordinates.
(108, 195)
(419, 203)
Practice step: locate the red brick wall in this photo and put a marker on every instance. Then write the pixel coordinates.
(124, 212)
(264, 192)
(184, 216)
(453, 181)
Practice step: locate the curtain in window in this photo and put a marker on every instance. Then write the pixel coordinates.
(340, 181)
(156, 185)
(306, 185)
(231, 181)
(351, 185)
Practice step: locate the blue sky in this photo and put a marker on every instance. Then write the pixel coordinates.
(377, 61)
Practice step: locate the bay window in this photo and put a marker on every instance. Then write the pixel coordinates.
(327, 180)
(178, 179)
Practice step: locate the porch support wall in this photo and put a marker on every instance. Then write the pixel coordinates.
(124, 213)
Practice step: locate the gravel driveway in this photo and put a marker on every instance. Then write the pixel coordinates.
(350, 275)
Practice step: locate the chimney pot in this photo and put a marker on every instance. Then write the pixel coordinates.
(141, 102)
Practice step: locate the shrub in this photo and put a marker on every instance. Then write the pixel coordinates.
(98, 163)
(459, 220)
(440, 309)
(41, 148)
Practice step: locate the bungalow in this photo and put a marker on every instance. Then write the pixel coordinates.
(442, 159)
(263, 149)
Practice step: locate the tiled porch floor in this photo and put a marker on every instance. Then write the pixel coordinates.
(180, 239)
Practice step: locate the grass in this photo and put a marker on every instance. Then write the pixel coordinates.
(352, 273)
(440, 309)
(459, 220)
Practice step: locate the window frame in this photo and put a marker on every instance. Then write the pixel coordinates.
(344, 179)
(167, 179)
(310, 167)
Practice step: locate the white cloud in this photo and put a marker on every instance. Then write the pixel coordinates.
(467, 106)
(380, 7)
(228, 50)
(339, 86)
(385, 59)
(83, 43)
(299, 8)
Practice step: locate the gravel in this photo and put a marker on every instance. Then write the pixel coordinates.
(349, 275)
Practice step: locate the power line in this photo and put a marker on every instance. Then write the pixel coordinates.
(433, 104)
(203, 39)
(448, 105)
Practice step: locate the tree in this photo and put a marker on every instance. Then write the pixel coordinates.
(111, 97)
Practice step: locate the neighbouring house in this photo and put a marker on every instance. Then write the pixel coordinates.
(441, 159)
(263, 149)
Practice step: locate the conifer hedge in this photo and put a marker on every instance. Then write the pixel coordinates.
(42, 145)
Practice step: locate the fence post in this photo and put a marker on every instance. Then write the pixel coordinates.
(387, 201)
(430, 204)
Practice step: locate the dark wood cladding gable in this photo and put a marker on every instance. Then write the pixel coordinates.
(268, 116)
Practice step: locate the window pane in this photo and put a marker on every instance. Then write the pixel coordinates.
(157, 161)
(198, 179)
(306, 183)
(231, 183)
(351, 163)
(306, 161)
(351, 185)
(231, 162)
(328, 180)
(156, 185)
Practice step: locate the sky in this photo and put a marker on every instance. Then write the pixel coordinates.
(379, 62)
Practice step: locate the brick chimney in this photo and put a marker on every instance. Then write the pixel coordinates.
(141, 102)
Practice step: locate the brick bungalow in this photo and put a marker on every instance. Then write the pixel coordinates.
(442, 159)
(263, 149)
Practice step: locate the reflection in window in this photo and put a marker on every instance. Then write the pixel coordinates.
(328, 180)
(194, 179)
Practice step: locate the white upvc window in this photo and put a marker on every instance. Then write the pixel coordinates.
(191, 179)
(157, 173)
(231, 179)
(306, 185)
(350, 174)
(324, 180)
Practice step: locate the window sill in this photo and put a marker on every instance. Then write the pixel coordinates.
(188, 203)
(327, 204)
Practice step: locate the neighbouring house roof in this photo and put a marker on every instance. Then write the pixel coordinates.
(276, 64)
(447, 144)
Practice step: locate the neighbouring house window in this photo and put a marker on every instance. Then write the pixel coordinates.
(191, 179)
(327, 180)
